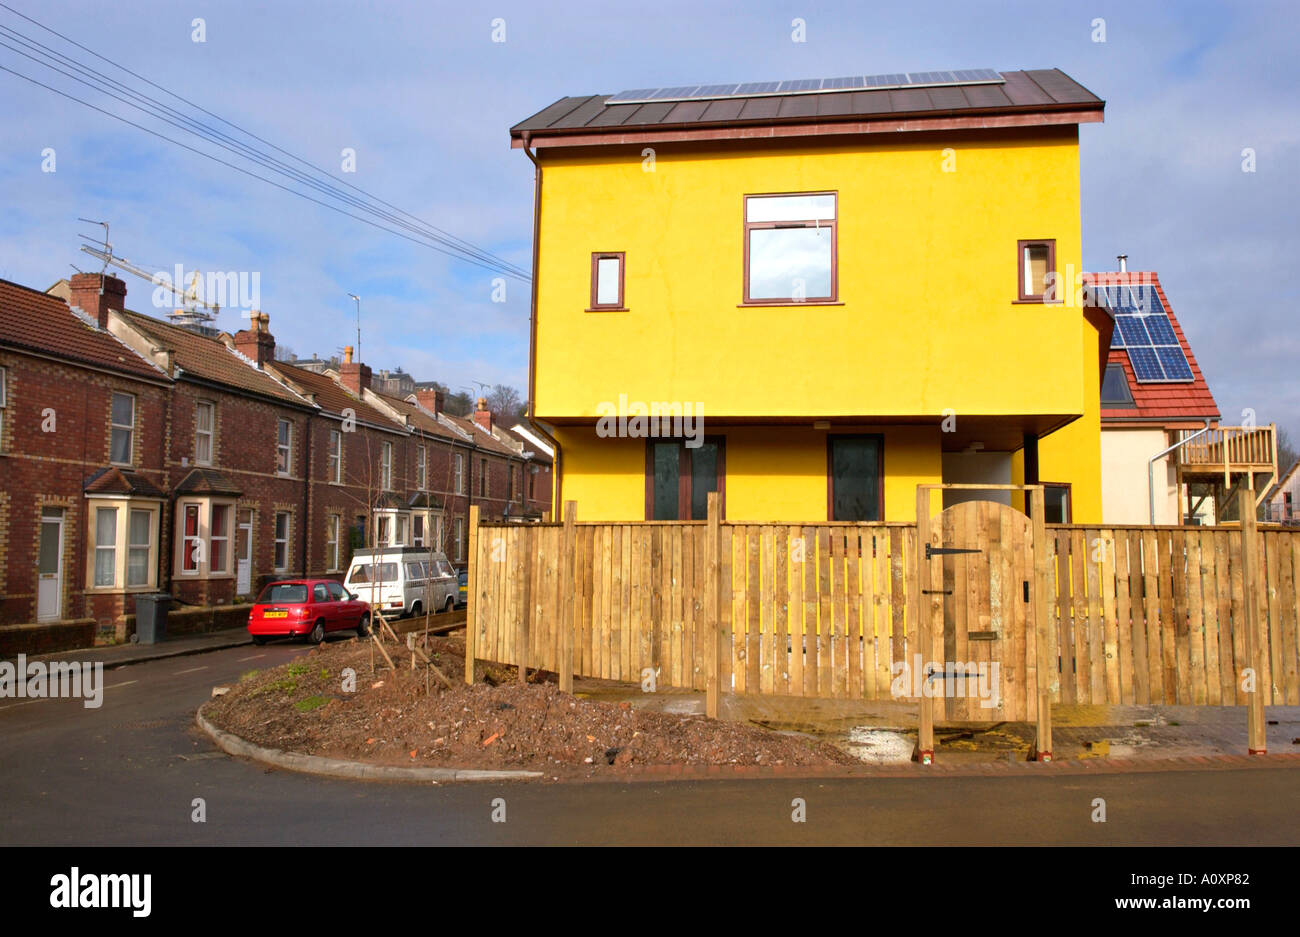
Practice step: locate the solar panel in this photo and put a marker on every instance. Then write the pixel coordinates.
(1174, 363)
(1146, 365)
(970, 76)
(1143, 329)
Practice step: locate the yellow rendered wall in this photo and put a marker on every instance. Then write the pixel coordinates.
(927, 278)
(773, 474)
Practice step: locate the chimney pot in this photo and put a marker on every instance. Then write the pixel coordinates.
(1123, 263)
(482, 415)
(256, 342)
(347, 354)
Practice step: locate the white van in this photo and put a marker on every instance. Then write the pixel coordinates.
(403, 580)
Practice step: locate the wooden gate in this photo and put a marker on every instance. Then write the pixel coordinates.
(980, 575)
(988, 650)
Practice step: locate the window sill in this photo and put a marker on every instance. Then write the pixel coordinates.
(785, 303)
(607, 309)
(116, 590)
(1036, 302)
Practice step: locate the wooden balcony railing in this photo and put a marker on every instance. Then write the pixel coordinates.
(1231, 449)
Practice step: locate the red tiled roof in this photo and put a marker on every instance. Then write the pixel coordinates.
(210, 359)
(112, 480)
(1187, 401)
(332, 396)
(420, 419)
(35, 321)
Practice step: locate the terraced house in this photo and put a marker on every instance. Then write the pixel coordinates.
(137, 455)
(860, 284)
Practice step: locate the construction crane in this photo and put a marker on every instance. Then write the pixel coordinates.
(187, 315)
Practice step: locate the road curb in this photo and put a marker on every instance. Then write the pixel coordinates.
(353, 770)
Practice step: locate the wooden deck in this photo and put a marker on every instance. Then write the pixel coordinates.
(1225, 451)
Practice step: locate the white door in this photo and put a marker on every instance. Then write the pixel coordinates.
(49, 588)
(244, 554)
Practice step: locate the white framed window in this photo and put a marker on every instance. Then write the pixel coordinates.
(402, 524)
(191, 539)
(335, 469)
(417, 530)
(459, 538)
(332, 525)
(122, 544)
(386, 466)
(219, 539)
(139, 548)
(105, 548)
(122, 433)
(281, 541)
(421, 468)
(205, 424)
(460, 473)
(203, 537)
(283, 446)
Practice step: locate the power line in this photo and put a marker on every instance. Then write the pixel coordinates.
(217, 159)
(457, 247)
(489, 260)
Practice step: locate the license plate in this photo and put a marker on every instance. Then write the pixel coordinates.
(275, 614)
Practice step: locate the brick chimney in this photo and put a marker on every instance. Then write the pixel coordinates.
(482, 415)
(354, 375)
(87, 295)
(256, 342)
(435, 401)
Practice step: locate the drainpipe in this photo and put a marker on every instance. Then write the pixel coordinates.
(1151, 469)
(556, 496)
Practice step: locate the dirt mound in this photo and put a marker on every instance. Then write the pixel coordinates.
(387, 717)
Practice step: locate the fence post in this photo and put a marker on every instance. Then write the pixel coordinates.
(568, 561)
(471, 595)
(1045, 667)
(712, 592)
(925, 731)
(1256, 630)
(527, 561)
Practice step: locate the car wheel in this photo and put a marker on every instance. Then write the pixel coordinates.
(259, 639)
(363, 626)
(417, 610)
(318, 633)
(451, 604)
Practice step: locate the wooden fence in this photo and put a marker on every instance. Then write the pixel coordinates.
(1136, 615)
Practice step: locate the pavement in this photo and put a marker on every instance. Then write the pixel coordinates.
(138, 771)
(119, 655)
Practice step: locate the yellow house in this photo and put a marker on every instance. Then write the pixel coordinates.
(811, 296)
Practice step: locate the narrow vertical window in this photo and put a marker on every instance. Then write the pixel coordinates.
(607, 280)
(335, 470)
(139, 547)
(281, 541)
(106, 547)
(219, 538)
(332, 543)
(679, 478)
(460, 473)
(283, 446)
(417, 530)
(1036, 260)
(204, 424)
(122, 435)
(386, 466)
(460, 537)
(421, 468)
(191, 542)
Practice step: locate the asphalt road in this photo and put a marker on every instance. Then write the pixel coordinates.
(128, 773)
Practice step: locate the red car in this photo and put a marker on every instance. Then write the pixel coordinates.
(311, 608)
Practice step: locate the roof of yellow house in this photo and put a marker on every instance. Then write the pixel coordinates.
(814, 106)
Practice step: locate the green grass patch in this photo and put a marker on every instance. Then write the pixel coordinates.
(248, 675)
(310, 703)
(298, 668)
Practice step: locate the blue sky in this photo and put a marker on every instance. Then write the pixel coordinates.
(425, 97)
